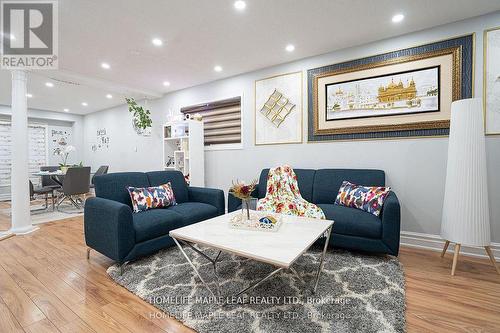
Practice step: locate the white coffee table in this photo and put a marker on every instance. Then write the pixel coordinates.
(281, 248)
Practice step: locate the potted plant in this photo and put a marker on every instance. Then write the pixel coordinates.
(141, 119)
(63, 154)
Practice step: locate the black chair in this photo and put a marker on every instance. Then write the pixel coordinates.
(76, 182)
(103, 169)
(47, 181)
(45, 191)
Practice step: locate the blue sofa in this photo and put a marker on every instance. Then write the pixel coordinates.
(112, 229)
(353, 228)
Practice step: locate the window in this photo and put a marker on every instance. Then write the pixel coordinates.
(37, 136)
(221, 120)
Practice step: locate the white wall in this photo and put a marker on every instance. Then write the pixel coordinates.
(55, 119)
(415, 168)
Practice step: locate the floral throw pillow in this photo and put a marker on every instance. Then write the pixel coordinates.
(144, 198)
(367, 198)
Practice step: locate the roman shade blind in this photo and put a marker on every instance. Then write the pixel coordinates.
(221, 120)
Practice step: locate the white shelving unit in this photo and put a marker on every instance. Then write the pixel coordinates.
(183, 144)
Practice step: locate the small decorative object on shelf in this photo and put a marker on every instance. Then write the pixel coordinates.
(260, 221)
(170, 161)
(198, 117)
(244, 192)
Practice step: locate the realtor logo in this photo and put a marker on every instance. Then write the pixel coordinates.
(29, 35)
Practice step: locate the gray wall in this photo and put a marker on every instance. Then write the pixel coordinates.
(415, 168)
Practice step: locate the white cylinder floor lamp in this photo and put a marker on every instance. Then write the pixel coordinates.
(466, 218)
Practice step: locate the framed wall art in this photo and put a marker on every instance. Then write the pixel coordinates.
(405, 93)
(278, 109)
(491, 83)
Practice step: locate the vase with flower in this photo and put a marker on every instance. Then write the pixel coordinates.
(244, 192)
(64, 154)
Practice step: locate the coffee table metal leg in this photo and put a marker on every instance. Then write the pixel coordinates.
(193, 266)
(259, 282)
(297, 275)
(213, 261)
(322, 259)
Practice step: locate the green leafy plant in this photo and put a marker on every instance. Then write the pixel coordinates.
(141, 115)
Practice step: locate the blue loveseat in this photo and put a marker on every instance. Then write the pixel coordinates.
(112, 229)
(353, 228)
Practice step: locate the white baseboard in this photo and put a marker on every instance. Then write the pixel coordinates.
(436, 243)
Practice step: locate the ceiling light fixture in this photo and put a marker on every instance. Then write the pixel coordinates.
(66, 110)
(84, 103)
(109, 96)
(157, 42)
(240, 5)
(218, 68)
(290, 48)
(166, 83)
(398, 18)
(105, 65)
(49, 84)
(29, 95)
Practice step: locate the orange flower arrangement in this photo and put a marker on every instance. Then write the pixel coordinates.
(241, 190)
(244, 192)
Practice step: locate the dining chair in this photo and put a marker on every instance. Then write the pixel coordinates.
(47, 181)
(45, 191)
(76, 182)
(103, 169)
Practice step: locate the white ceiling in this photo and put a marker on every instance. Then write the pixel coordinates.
(199, 34)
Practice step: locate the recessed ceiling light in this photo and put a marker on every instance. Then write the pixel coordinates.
(109, 96)
(29, 95)
(49, 84)
(166, 83)
(290, 48)
(240, 5)
(218, 68)
(157, 42)
(398, 18)
(84, 103)
(66, 110)
(105, 65)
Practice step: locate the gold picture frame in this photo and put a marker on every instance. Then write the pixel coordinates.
(455, 52)
(296, 114)
(395, 121)
(485, 79)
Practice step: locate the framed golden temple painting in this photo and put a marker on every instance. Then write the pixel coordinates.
(414, 91)
(403, 93)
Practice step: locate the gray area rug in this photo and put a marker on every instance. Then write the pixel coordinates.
(356, 293)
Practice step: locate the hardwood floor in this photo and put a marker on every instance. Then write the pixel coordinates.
(47, 285)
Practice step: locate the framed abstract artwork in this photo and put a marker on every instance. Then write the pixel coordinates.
(491, 83)
(405, 93)
(278, 109)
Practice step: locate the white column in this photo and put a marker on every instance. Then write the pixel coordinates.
(21, 220)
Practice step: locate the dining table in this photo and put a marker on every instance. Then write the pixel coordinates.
(57, 176)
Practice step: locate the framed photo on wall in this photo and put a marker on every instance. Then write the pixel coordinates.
(278, 109)
(398, 94)
(491, 83)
